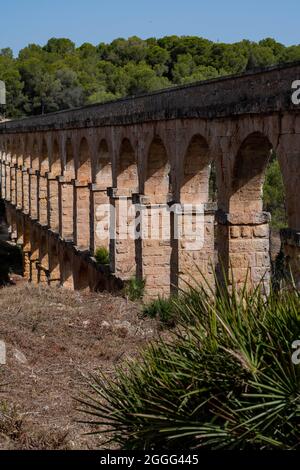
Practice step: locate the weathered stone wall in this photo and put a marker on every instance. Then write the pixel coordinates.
(66, 176)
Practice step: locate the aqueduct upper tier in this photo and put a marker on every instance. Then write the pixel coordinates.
(108, 175)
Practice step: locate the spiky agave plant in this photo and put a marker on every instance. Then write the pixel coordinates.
(224, 381)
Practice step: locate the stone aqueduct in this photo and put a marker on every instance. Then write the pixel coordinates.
(150, 151)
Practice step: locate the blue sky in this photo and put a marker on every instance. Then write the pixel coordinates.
(95, 21)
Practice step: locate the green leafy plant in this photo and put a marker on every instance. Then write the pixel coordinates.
(224, 380)
(102, 255)
(163, 309)
(134, 290)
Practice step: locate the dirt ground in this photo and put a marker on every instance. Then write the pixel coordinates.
(54, 339)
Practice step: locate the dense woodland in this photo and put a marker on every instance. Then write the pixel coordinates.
(59, 75)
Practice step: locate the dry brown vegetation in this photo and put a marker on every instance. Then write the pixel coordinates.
(54, 339)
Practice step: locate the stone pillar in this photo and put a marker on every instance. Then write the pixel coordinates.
(34, 271)
(124, 256)
(25, 187)
(53, 203)
(155, 246)
(196, 245)
(66, 207)
(66, 266)
(244, 247)
(82, 215)
(13, 182)
(7, 182)
(100, 218)
(19, 186)
(33, 191)
(42, 199)
(26, 264)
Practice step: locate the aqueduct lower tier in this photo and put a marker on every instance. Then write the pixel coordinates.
(66, 178)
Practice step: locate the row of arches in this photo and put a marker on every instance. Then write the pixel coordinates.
(68, 177)
(77, 161)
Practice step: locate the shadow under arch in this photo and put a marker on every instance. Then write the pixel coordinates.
(157, 180)
(55, 162)
(69, 165)
(33, 180)
(103, 166)
(67, 278)
(84, 168)
(194, 186)
(127, 172)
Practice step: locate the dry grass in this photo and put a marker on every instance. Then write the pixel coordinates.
(54, 338)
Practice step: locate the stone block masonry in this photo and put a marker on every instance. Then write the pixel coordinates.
(66, 178)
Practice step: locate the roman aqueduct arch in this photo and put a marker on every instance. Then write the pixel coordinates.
(66, 178)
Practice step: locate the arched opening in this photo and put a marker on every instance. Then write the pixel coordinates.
(84, 163)
(26, 155)
(249, 173)
(124, 245)
(66, 195)
(19, 151)
(196, 170)
(44, 159)
(127, 174)
(35, 156)
(100, 207)
(8, 151)
(55, 163)
(53, 188)
(69, 172)
(247, 230)
(194, 237)
(103, 172)
(14, 152)
(82, 197)
(25, 175)
(33, 184)
(274, 202)
(156, 245)
(42, 184)
(157, 184)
